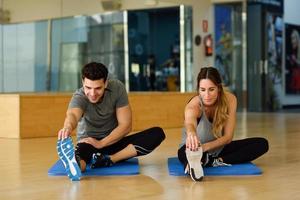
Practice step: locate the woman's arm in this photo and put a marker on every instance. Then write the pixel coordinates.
(229, 126)
(191, 113)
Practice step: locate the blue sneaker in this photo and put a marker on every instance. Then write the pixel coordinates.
(101, 160)
(66, 153)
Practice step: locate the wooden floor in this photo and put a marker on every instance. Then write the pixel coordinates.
(24, 164)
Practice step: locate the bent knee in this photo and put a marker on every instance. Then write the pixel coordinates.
(159, 133)
(264, 144)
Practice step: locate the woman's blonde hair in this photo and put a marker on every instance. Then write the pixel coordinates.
(221, 112)
(296, 36)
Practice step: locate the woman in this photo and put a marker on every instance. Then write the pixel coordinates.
(210, 120)
(294, 59)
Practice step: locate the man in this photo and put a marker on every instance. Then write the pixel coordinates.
(101, 112)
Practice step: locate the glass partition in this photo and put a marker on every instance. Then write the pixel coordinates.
(186, 50)
(1, 59)
(24, 52)
(78, 40)
(160, 49)
(1, 53)
(154, 57)
(229, 51)
(47, 55)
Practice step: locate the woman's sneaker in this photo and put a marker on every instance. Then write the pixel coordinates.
(218, 163)
(65, 150)
(194, 164)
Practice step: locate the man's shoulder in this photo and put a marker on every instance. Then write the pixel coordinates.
(115, 81)
(79, 95)
(114, 84)
(79, 92)
(78, 100)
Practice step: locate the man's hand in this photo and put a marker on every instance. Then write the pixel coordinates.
(64, 133)
(92, 141)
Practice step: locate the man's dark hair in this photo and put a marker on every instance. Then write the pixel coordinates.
(94, 71)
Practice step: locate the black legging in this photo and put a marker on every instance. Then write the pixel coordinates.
(237, 151)
(144, 142)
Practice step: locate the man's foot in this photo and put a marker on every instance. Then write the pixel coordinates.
(194, 164)
(65, 150)
(81, 163)
(101, 160)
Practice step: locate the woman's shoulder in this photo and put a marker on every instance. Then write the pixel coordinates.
(229, 95)
(193, 106)
(195, 100)
(231, 98)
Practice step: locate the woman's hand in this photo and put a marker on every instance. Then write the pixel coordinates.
(92, 141)
(192, 142)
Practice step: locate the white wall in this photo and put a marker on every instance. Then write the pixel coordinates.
(291, 16)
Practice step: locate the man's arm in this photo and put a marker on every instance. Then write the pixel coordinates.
(124, 117)
(73, 115)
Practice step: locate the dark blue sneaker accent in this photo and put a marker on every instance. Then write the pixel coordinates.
(101, 160)
(65, 150)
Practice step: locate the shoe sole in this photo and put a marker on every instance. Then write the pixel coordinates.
(65, 150)
(195, 167)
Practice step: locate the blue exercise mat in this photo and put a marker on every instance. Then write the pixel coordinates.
(128, 167)
(176, 169)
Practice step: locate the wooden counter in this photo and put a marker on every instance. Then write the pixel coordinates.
(42, 114)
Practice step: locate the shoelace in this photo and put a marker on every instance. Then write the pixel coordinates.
(218, 163)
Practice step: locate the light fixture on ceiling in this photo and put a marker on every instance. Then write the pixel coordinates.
(4, 16)
(151, 2)
(111, 4)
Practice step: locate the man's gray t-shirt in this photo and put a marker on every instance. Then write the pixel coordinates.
(99, 119)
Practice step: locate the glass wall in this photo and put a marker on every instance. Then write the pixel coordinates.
(154, 57)
(48, 55)
(186, 50)
(78, 40)
(1, 58)
(229, 51)
(264, 57)
(24, 51)
(160, 49)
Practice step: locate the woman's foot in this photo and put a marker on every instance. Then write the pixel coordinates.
(194, 164)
